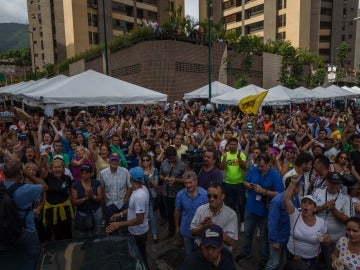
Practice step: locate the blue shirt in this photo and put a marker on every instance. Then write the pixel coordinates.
(24, 197)
(187, 206)
(270, 181)
(279, 221)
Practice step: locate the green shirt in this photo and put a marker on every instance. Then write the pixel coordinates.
(234, 174)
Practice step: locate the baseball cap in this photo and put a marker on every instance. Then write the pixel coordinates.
(212, 236)
(137, 174)
(86, 168)
(114, 156)
(333, 178)
(13, 127)
(309, 197)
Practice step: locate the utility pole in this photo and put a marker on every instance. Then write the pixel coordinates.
(105, 41)
(210, 43)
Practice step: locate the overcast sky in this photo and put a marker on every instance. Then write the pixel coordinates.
(15, 10)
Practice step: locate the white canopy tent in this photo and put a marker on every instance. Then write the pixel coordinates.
(8, 89)
(217, 89)
(302, 95)
(340, 91)
(320, 93)
(233, 98)
(275, 96)
(41, 84)
(91, 88)
(279, 95)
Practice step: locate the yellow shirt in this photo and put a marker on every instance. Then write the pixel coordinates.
(234, 174)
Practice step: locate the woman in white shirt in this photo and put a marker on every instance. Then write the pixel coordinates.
(306, 229)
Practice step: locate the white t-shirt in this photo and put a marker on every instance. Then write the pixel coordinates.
(336, 228)
(304, 240)
(139, 203)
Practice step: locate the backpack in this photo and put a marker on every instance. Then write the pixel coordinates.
(11, 225)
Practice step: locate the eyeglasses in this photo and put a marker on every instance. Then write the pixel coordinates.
(214, 196)
(145, 160)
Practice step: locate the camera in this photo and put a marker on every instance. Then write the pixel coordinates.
(194, 159)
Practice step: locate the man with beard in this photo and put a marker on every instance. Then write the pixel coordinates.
(215, 212)
(210, 173)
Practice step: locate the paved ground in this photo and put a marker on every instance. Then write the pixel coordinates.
(167, 256)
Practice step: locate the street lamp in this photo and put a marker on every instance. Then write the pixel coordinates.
(33, 52)
(209, 48)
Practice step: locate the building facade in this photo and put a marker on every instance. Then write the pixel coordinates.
(317, 25)
(61, 29)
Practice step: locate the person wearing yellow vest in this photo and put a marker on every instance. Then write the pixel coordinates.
(233, 162)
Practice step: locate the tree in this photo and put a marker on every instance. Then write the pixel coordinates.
(18, 57)
(341, 53)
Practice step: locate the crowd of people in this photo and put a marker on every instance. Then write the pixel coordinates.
(289, 176)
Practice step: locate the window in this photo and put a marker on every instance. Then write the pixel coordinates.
(281, 20)
(89, 19)
(90, 38)
(325, 25)
(96, 38)
(95, 20)
(228, 4)
(230, 18)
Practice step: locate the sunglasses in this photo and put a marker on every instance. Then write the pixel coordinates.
(145, 160)
(214, 196)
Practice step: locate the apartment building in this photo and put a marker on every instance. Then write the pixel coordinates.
(61, 29)
(319, 25)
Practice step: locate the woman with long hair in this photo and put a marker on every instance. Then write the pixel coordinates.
(347, 252)
(134, 153)
(342, 165)
(151, 177)
(87, 195)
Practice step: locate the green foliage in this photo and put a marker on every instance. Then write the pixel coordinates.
(13, 36)
(341, 53)
(242, 81)
(340, 76)
(232, 37)
(19, 57)
(318, 78)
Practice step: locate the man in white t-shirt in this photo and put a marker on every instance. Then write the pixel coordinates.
(137, 213)
(335, 208)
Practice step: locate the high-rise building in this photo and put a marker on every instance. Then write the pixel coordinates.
(61, 29)
(318, 25)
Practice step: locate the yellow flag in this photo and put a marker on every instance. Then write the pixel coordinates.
(251, 104)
